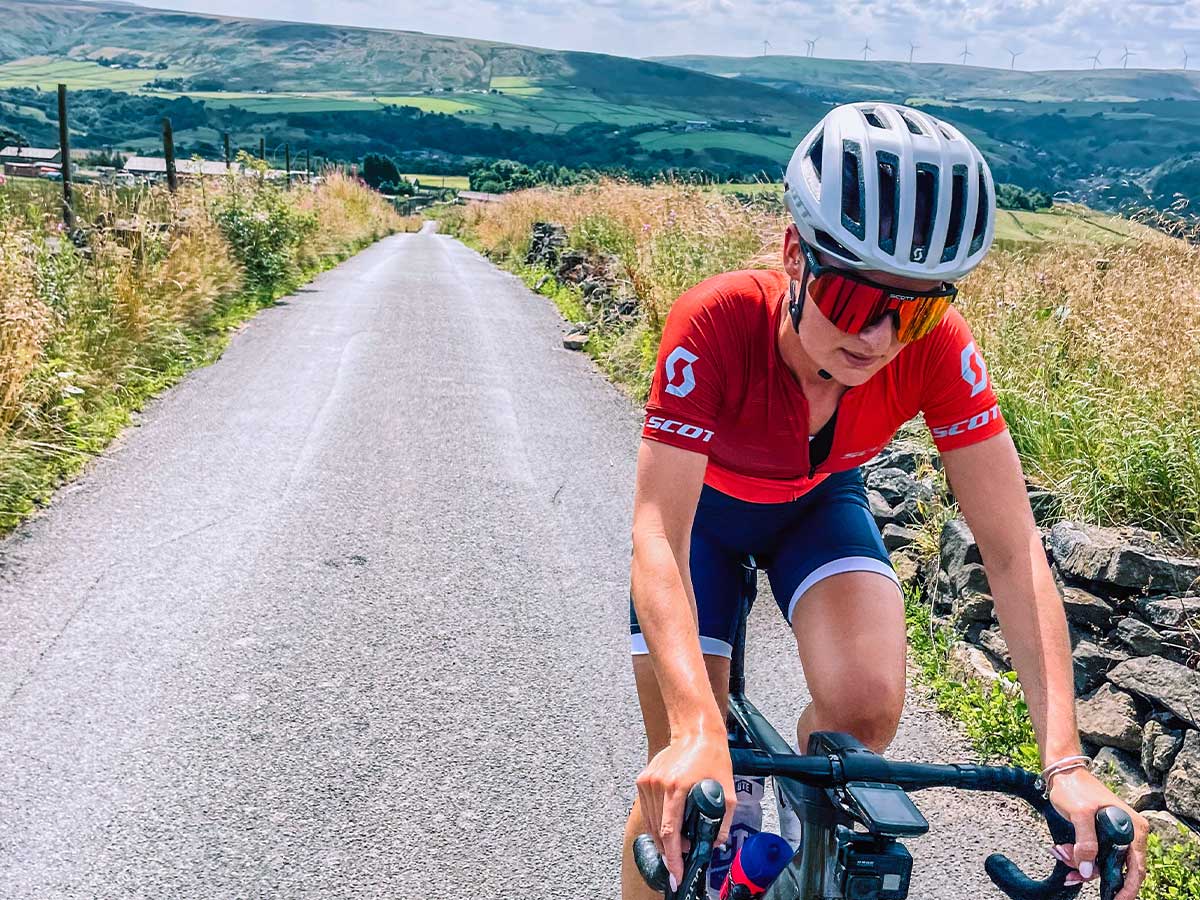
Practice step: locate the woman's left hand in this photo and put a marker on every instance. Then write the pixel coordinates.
(1079, 795)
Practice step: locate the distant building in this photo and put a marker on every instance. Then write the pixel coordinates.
(29, 162)
(479, 197)
(152, 166)
(27, 155)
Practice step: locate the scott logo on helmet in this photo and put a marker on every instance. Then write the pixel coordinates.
(686, 380)
(974, 372)
(976, 421)
(672, 426)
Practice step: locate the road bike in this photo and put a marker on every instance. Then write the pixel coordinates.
(854, 809)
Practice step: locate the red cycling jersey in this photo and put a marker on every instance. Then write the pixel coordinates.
(721, 388)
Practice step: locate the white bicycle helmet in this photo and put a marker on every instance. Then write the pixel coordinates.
(890, 188)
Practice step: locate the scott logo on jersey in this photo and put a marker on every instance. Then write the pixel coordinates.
(680, 381)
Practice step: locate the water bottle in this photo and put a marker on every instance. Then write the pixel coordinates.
(760, 860)
(747, 821)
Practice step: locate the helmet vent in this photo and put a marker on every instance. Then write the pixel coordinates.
(889, 201)
(981, 214)
(925, 212)
(873, 119)
(912, 126)
(958, 203)
(815, 153)
(946, 134)
(853, 189)
(828, 243)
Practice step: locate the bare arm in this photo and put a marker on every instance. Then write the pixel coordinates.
(669, 481)
(668, 488)
(987, 482)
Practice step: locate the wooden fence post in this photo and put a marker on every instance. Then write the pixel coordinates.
(169, 153)
(227, 151)
(307, 167)
(287, 161)
(64, 144)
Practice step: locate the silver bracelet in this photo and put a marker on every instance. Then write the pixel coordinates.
(1075, 761)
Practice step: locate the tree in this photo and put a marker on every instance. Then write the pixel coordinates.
(376, 169)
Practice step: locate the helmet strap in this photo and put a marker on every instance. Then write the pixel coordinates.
(796, 302)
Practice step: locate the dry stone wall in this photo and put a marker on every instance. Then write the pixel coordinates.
(1132, 603)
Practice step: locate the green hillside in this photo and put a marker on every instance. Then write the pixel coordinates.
(1108, 138)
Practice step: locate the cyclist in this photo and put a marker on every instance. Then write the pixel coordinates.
(770, 389)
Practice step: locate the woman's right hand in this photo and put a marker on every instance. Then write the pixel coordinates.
(664, 784)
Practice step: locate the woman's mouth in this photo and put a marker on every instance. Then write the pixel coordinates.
(859, 362)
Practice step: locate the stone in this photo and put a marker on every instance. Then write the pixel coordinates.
(970, 663)
(896, 486)
(1166, 684)
(897, 537)
(992, 641)
(880, 508)
(1159, 746)
(1129, 558)
(546, 242)
(971, 607)
(971, 577)
(906, 567)
(957, 545)
(1171, 612)
(575, 341)
(1109, 718)
(541, 282)
(1092, 662)
(906, 457)
(1121, 771)
(1182, 786)
(1139, 637)
(1084, 606)
(909, 512)
(1169, 829)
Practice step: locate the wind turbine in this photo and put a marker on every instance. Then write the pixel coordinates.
(911, 48)
(965, 54)
(1185, 59)
(1125, 57)
(1095, 60)
(1014, 54)
(809, 49)
(766, 44)
(812, 46)
(866, 48)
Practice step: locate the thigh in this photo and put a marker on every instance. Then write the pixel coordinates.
(833, 534)
(851, 636)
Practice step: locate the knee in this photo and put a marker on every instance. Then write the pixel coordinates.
(870, 712)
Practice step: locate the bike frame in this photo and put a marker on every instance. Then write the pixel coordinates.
(809, 873)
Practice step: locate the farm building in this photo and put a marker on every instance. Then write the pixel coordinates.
(29, 161)
(153, 166)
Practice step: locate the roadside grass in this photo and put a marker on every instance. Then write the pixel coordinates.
(1098, 379)
(90, 332)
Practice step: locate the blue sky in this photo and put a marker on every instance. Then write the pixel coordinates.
(1059, 35)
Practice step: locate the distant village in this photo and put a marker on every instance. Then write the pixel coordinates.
(46, 162)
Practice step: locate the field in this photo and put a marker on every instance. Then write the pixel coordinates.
(44, 73)
(768, 145)
(457, 182)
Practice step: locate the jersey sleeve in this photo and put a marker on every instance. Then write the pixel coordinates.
(688, 386)
(957, 398)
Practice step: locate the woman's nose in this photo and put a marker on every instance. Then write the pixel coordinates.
(878, 336)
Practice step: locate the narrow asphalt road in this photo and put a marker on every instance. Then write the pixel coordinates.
(345, 616)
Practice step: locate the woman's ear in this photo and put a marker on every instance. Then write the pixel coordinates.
(793, 259)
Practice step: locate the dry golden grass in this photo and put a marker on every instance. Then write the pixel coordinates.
(668, 237)
(25, 322)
